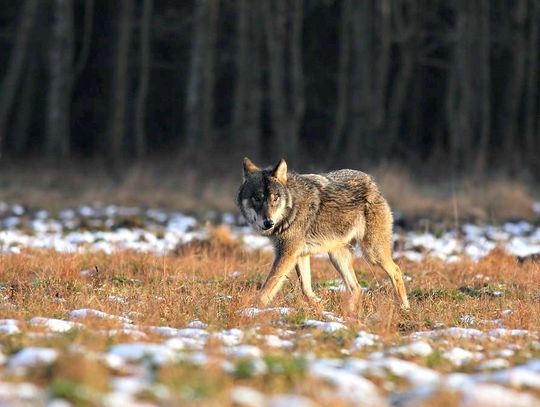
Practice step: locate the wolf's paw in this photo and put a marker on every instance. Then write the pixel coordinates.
(261, 302)
(314, 300)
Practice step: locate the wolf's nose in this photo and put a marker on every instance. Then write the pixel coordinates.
(268, 223)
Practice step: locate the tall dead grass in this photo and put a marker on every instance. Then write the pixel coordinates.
(179, 186)
(212, 280)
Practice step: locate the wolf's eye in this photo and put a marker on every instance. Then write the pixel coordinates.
(256, 198)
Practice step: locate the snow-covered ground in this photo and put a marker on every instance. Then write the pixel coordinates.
(110, 228)
(401, 369)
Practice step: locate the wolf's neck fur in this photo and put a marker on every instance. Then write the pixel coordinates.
(286, 221)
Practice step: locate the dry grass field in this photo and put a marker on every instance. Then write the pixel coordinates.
(238, 357)
(139, 305)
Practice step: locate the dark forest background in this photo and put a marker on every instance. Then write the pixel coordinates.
(453, 84)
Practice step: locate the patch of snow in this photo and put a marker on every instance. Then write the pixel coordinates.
(256, 242)
(275, 341)
(179, 223)
(165, 331)
(455, 332)
(20, 394)
(459, 356)
(55, 325)
(289, 400)
(134, 352)
(9, 326)
(197, 324)
(181, 343)
(493, 364)
(229, 337)
(364, 339)
(416, 348)
(505, 353)
(467, 320)
(244, 351)
(351, 387)
(501, 332)
(417, 375)
(94, 313)
(58, 403)
(244, 396)
(324, 326)
(518, 228)
(517, 377)
(492, 395)
(195, 333)
(522, 247)
(32, 356)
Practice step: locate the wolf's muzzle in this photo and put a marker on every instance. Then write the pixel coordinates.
(268, 223)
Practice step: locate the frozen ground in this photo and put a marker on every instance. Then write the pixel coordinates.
(110, 228)
(473, 362)
(479, 367)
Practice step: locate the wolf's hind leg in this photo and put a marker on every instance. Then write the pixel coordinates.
(394, 272)
(381, 255)
(342, 261)
(383, 259)
(303, 270)
(376, 246)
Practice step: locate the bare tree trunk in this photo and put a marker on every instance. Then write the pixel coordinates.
(87, 38)
(120, 82)
(381, 72)
(61, 52)
(242, 68)
(342, 105)
(144, 73)
(14, 70)
(286, 107)
(193, 92)
(200, 87)
(274, 25)
(531, 96)
(360, 101)
(405, 22)
(298, 103)
(514, 89)
(247, 98)
(255, 92)
(209, 76)
(484, 91)
(459, 103)
(25, 107)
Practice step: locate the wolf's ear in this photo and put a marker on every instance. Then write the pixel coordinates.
(280, 172)
(248, 167)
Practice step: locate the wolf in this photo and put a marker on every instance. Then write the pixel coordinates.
(306, 214)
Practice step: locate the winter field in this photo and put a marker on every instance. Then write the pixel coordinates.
(108, 306)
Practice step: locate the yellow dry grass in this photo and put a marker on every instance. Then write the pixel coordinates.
(197, 283)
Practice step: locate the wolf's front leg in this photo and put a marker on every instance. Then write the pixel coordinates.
(303, 270)
(283, 265)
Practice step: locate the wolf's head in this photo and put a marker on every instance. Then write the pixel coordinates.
(263, 196)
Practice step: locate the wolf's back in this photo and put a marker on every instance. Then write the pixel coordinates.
(353, 185)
